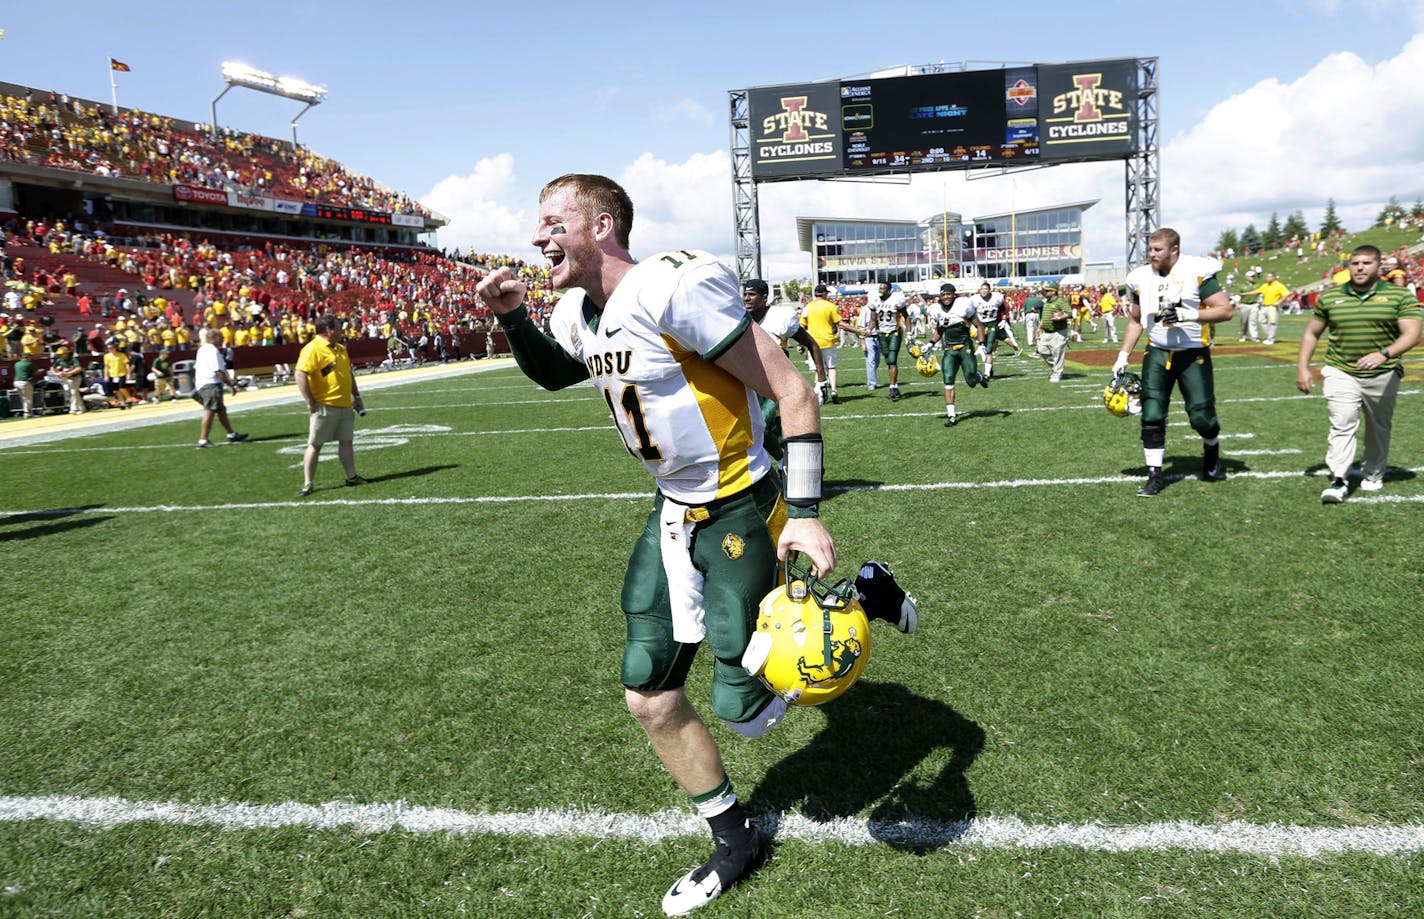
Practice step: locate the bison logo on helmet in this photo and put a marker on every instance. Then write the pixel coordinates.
(843, 657)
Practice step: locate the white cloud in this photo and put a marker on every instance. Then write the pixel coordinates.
(1344, 130)
(681, 205)
(478, 216)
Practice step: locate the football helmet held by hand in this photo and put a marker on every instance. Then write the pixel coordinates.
(812, 639)
(1123, 396)
(927, 365)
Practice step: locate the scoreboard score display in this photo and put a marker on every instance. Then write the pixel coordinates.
(940, 119)
(339, 212)
(1012, 115)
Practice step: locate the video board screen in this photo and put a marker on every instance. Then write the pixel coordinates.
(1010, 116)
(942, 119)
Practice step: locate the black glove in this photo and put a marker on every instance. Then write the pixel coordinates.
(1167, 315)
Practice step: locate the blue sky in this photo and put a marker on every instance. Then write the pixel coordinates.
(470, 107)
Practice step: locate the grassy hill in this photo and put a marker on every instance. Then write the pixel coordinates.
(1295, 272)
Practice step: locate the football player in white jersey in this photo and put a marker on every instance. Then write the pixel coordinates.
(1178, 300)
(955, 321)
(783, 323)
(882, 324)
(989, 307)
(680, 363)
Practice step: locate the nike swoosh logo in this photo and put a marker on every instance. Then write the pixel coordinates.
(609, 333)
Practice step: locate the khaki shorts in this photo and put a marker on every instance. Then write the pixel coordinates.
(330, 423)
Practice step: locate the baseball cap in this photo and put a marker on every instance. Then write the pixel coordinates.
(821, 289)
(947, 289)
(756, 284)
(1050, 285)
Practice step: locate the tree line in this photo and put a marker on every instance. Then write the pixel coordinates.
(1278, 233)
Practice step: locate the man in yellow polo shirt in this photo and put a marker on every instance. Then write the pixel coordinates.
(823, 321)
(1272, 293)
(325, 381)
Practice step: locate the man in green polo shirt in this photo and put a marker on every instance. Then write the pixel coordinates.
(1052, 343)
(1032, 312)
(71, 376)
(1371, 323)
(25, 383)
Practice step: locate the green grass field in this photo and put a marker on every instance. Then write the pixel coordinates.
(1205, 704)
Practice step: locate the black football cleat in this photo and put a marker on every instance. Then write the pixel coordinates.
(733, 861)
(1153, 487)
(882, 597)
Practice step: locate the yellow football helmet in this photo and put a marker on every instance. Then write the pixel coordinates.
(927, 365)
(812, 639)
(1123, 396)
(916, 351)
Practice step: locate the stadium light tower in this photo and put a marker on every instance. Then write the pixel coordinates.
(235, 74)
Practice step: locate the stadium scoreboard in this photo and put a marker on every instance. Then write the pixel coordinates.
(1039, 113)
(354, 214)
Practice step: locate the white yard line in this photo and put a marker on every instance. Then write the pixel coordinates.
(646, 495)
(1271, 839)
(9, 448)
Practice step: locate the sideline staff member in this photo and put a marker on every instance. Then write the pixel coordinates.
(1371, 322)
(325, 380)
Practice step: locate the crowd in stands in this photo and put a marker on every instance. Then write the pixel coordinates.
(160, 289)
(61, 133)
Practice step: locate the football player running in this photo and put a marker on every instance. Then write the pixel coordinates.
(882, 322)
(680, 363)
(952, 320)
(1177, 299)
(989, 307)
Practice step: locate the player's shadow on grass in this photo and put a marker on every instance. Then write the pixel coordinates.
(1391, 473)
(48, 523)
(831, 490)
(295, 435)
(411, 473)
(1179, 468)
(986, 413)
(875, 736)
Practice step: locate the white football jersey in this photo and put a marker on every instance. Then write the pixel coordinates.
(961, 311)
(1180, 285)
(882, 315)
(781, 322)
(697, 428)
(988, 307)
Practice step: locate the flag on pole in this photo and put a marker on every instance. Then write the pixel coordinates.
(118, 65)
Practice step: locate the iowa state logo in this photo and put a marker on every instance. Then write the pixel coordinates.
(794, 122)
(1090, 111)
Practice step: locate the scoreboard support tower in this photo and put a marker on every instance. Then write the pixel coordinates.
(746, 218)
(1144, 169)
